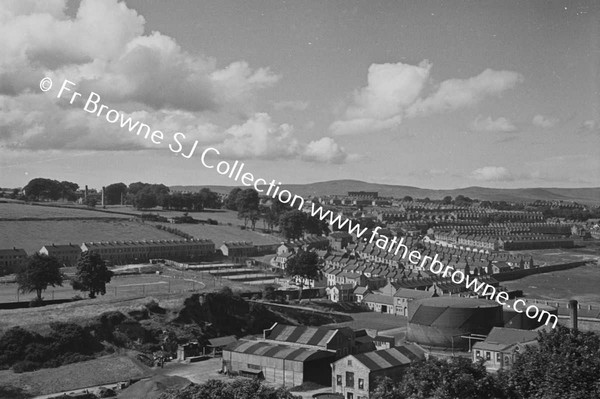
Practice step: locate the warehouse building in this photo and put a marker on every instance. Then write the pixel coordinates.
(280, 364)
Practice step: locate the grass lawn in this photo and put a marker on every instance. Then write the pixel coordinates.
(99, 371)
(32, 235)
(21, 210)
(220, 234)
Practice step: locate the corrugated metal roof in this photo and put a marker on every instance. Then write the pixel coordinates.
(278, 351)
(388, 358)
(314, 336)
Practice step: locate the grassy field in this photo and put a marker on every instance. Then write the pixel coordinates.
(32, 235)
(20, 210)
(580, 283)
(221, 233)
(99, 371)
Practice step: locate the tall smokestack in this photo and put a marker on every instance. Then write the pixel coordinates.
(573, 307)
(85, 193)
(103, 197)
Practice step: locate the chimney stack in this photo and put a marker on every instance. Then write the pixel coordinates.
(85, 193)
(103, 198)
(573, 313)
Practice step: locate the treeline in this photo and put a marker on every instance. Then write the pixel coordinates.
(41, 189)
(291, 222)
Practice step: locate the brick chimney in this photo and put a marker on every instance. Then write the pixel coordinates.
(573, 313)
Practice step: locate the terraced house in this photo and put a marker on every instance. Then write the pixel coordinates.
(121, 252)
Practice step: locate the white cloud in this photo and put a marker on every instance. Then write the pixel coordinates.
(149, 77)
(492, 173)
(397, 91)
(501, 124)
(381, 104)
(260, 137)
(325, 150)
(458, 93)
(545, 122)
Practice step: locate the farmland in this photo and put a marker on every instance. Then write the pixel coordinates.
(16, 211)
(222, 233)
(32, 235)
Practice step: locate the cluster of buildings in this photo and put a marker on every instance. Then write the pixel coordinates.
(352, 361)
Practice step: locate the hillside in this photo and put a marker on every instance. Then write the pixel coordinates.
(341, 187)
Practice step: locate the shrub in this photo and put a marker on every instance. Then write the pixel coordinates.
(25, 365)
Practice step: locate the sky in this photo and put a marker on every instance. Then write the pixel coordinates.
(433, 94)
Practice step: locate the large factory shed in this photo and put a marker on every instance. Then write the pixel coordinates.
(280, 364)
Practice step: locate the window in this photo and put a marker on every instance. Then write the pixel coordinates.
(339, 379)
(349, 379)
(350, 395)
(349, 362)
(361, 383)
(253, 366)
(477, 354)
(487, 355)
(498, 357)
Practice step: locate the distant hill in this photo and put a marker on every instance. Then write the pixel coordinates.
(341, 187)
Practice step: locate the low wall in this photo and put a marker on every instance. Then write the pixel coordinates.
(25, 304)
(517, 274)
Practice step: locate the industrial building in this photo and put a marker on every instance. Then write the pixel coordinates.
(280, 364)
(354, 376)
(291, 355)
(445, 321)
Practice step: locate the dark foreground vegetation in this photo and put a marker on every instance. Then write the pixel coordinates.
(148, 329)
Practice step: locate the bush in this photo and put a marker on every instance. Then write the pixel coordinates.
(35, 302)
(25, 365)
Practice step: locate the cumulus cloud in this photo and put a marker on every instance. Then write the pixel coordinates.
(545, 122)
(398, 91)
(501, 124)
(325, 150)
(260, 137)
(390, 89)
(148, 77)
(492, 173)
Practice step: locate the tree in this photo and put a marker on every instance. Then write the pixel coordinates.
(447, 200)
(305, 265)
(231, 200)
(575, 360)
(407, 198)
(291, 224)
(114, 192)
(92, 275)
(39, 272)
(247, 202)
(91, 201)
(314, 225)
